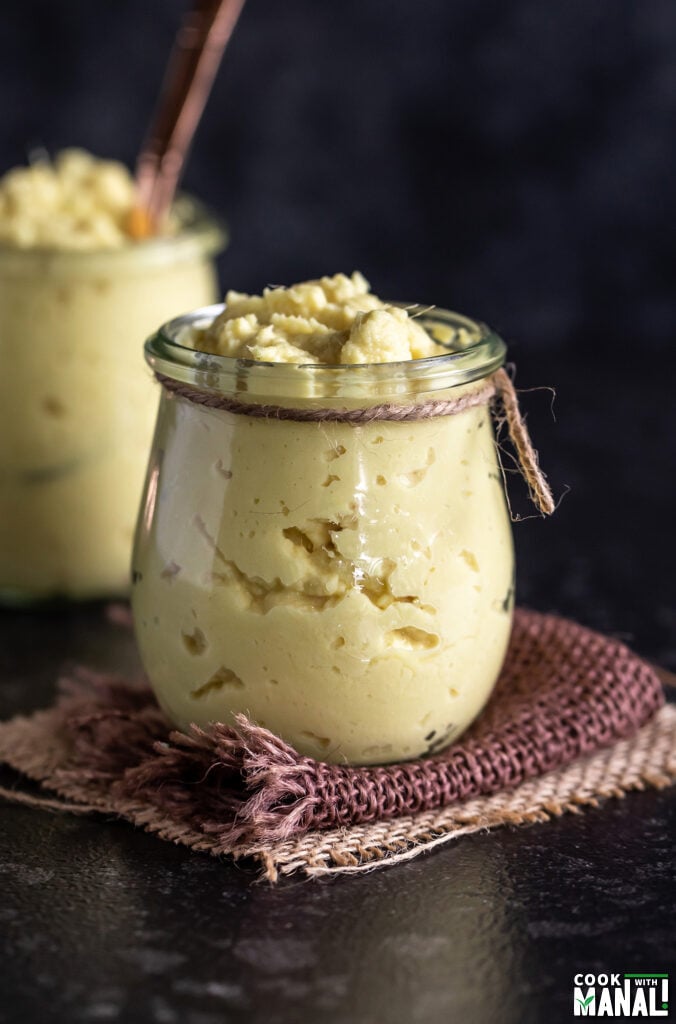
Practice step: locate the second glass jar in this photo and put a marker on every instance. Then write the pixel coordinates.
(77, 405)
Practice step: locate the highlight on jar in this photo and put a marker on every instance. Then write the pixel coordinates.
(79, 292)
(324, 543)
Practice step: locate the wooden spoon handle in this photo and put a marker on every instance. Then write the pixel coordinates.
(192, 66)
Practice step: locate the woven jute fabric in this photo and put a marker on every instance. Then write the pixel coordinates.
(575, 717)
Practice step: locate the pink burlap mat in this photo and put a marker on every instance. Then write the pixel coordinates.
(566, 697)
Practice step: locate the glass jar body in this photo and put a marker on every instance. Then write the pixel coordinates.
(348, 587)
(77, 408)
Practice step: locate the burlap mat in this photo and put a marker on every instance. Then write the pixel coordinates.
(575, 717)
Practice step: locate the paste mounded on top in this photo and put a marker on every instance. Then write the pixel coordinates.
(334, 320)
(76, 202)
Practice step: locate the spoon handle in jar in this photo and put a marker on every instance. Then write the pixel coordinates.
(192, 67)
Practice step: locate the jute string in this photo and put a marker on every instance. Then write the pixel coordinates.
(497, 391)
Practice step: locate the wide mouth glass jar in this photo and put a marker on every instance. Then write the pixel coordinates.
(77, 405)
(347, 585)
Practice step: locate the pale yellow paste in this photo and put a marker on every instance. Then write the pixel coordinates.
(77, 404)
(348, 587)
(334, 320)
(75, 202)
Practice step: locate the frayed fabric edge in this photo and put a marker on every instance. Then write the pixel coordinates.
(647, 760)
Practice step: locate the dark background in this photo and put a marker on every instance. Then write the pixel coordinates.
(511, 160)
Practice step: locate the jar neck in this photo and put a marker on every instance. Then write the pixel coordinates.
(200, 235)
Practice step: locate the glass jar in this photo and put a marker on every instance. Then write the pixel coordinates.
(349, 587)
(77, 405)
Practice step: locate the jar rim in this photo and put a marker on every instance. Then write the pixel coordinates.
(169, 357)
(200, 232)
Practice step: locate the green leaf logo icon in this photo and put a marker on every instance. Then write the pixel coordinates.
(585, 1002)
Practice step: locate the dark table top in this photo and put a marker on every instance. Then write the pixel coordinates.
(104, 922)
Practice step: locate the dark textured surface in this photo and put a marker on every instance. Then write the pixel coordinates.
(514, 161)
(102, 923)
